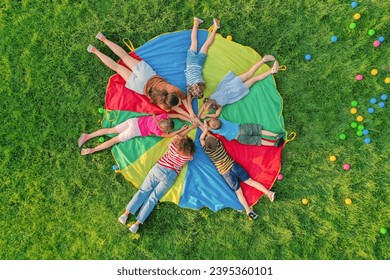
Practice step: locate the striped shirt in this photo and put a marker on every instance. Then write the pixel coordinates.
(173, 160)
(222, 161)
(193, 74)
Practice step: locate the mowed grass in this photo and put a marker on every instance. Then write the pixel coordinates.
(56, 204)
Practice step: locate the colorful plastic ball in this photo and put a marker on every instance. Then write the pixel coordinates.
(101, 139)
(373, 100)
(280, 177)
(348, 201)
(359, 118)
(387, 80)
(354, 4)
(376, 43)
(346, 167)
(367, 140)
(361, 127)
(359, 77)
(352, 25)
(371, 32)
(381, 39)
(308, 57)
(365, 131)
(374, 72)
(356, 16)
(353, 111)
(229, 37)
(383, 230)
(359, 133)
(115, 167)
(354, 103)
(305, 201)
(384, 97)
(354, 124)
(342, 136)
(332, 158)
(381, 104)
(334, 39)
(101, 110)
(370, 110)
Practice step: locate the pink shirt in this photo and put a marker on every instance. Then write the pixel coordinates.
(147, 125)
(173, 160)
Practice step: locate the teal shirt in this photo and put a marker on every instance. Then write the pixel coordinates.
(229, 130)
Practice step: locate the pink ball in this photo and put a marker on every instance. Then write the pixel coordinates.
(377, 43)
(280, 177)
(346, 166)
(359, 77)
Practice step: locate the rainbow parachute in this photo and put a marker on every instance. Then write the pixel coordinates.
(199, 184)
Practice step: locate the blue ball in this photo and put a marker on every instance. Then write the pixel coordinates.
(115, 167)
(367, 140)
(354, 4)
(373, 100)
(365, 131)
(371, 110)
(381, 39)
(308, 57)
(384, 96)
(381, 104)
(334, 39)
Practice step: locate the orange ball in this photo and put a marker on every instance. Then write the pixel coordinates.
(357, 16)
(348, 201)
(305, 201)
(359, 118)
(353, 111)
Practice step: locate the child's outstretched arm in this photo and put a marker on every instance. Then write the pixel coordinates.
(215, 115)
(201, 110)
(176, 132)
(188, 129)
(188, 105)
(180, 117)
(205, 129)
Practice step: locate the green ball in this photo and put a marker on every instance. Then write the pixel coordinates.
(352, 25)
(101, 110)
(101, 139)
(383, 230)
(361, 127)
(342, 136)
(354, 103)
(353, 124)
(371, 32)
(359, 133)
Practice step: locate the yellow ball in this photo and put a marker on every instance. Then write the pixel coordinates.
(348, 201)
(374, 72)
(353, 111)
(305, 201)
(359, 118)
(332, 158)
(229, 37)
(387, 80)
(356, 16)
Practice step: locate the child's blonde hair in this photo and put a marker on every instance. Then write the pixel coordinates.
(166, 125)
(185, 145)
(210, 104)
(196, 90)
(215, 123)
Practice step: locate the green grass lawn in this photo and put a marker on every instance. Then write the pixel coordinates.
(56, 204)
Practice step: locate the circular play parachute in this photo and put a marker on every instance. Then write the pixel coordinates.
(199, 184)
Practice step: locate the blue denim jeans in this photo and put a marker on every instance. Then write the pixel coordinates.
(158, 181)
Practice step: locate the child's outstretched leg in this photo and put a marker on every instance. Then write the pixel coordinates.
(248, 210)
(127, 59)
(110, 63)
(211, 38)
(100, 147)
(273, 70)
(103, 131)
(194, 34)
(260, 187)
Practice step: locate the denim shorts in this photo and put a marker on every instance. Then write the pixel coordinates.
(235, 175)
(194, 57)
(141, 73)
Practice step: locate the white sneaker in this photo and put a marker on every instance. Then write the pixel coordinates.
(134, 228)
(122, 219)
(198, 20)
(90, 49)
(100, 36)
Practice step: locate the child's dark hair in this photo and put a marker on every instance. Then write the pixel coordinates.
(196, 90)
(211, 142)
(211, 104)
(186, 146)
(215, 123)
(166, 125)
(172, 100)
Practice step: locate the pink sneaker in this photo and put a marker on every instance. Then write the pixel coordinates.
(216, 23)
